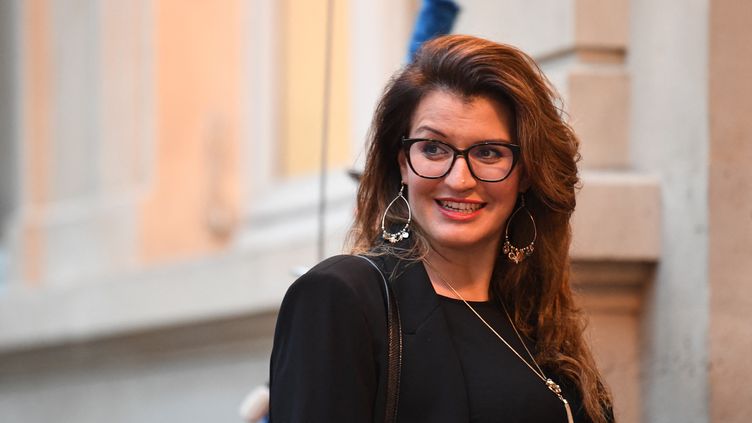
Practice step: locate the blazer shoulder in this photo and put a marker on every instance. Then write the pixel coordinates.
(331, 332)
(340, 276)
(341, 265)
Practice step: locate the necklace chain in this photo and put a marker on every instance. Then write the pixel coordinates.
(550, 384)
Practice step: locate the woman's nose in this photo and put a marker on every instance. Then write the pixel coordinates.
(459, 177)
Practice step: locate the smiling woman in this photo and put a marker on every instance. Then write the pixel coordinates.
(460, 215)
(470, 180)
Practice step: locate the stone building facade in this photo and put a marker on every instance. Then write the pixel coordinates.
(160, 184)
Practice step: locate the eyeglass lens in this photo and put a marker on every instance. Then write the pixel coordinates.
(434, 159)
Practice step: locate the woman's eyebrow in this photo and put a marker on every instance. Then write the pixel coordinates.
(429, 129)
(441, 134)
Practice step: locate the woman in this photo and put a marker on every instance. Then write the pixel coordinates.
(464, 204)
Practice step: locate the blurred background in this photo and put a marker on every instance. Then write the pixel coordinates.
(160, 176)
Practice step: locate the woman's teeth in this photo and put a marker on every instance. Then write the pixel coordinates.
(460, 207)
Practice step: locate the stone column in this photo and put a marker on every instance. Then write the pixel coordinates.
(669, 136)
(730, 211)
(617, 222)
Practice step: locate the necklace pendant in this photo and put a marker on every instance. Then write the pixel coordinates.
(553, 386)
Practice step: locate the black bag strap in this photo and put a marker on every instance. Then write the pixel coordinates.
(394, 351)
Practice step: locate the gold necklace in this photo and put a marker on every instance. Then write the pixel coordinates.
(550, 384)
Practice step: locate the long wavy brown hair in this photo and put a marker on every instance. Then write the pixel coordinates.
(538, 289)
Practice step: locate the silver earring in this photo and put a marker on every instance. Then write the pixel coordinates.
(402, 233)
(516, 254)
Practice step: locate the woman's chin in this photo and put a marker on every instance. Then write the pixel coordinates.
(462, 242)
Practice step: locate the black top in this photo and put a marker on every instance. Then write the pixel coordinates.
(328, 363)
(500, 387)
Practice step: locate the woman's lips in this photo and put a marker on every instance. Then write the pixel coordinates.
(459, 209)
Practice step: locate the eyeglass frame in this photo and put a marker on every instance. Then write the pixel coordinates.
(407, 143)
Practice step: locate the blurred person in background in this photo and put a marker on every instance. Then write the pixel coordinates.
(464, 207)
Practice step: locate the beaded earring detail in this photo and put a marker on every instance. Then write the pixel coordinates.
(402, 233)
(513, 253)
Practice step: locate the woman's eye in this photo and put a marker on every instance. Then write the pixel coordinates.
(433, 149)
(489, 153)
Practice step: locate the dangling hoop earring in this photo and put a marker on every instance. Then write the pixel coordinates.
(513, 253)
(402, 233)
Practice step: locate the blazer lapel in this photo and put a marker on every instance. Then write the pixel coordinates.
(432, 385)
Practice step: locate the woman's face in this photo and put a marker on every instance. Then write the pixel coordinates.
(458, 211)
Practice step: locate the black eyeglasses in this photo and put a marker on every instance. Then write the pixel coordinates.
(488, 161)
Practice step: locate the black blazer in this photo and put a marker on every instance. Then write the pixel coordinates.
(328, 362)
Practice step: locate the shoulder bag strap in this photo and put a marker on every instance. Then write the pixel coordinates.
(394, 352)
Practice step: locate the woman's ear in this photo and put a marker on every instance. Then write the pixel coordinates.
(524, 180)
(402, 165)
